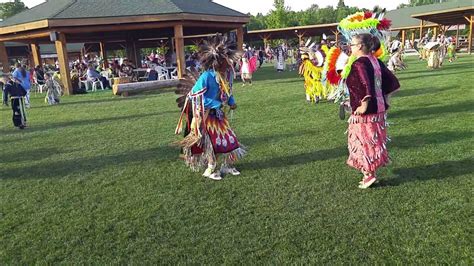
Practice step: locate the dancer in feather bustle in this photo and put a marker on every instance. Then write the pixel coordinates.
(209, 97)
(311, 69)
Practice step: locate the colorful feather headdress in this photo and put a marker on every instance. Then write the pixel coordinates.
(367, 22)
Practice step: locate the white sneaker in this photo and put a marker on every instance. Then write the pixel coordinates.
(215, 176)
(208, 172)
(367, 182)
(212, 174)
(229, 170)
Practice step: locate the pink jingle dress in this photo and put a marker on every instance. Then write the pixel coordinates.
(367, 133)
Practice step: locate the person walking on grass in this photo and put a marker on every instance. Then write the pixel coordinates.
(247, 67)
(370, 83)
(209, 98)
(22, 77)
(16, 93)
(53, 90)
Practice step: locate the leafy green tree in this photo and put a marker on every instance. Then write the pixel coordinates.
(11, 8)
(257, 22)
(278, 17)
(421, 3)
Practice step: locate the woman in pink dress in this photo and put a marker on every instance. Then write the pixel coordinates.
(369, 83)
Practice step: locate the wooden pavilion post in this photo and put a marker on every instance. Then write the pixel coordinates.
(457, 36)
(4, 58)
(265, 38)
(240, 39)
(61, 50)
(300, 37)
(132, 53)
(103, 54)
(469, 48)
(336, 34)
(179, 46)
(403, 38)
(435, 31)
(421, 29)
(413, 39)
(36, 54)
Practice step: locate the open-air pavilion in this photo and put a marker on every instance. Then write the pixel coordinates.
(133, 24)
(406, 20)
(450, 17)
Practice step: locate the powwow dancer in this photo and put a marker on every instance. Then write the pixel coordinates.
(209, 98)
(280, 59)
(433, 49)
(396, 60)
(53, 90)
(451, 51)
(311, 69)
(369, 84)
(17, 96)
(248, 66)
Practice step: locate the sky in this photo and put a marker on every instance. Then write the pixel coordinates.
(263, 6)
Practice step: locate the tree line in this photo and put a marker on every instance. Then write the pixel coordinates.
(282, 16)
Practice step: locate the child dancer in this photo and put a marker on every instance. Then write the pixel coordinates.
(209, 99)
(53, 90)
(17, 96)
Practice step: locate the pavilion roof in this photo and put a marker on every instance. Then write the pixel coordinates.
(86, 9)
(448, 17)
(402, 18)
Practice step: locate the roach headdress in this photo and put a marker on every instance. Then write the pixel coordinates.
(217, 52)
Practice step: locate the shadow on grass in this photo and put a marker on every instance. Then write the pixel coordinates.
(434, 73)
(58, 169)
(74, 123)
(422, 91)
(460, 107)
(113, 98)
(298, 159)
(445, 66)
(436, 171)
(27, 156)
(402, 142)
(419, 140)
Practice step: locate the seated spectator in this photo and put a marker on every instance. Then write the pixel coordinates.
(126, 70)
(93, 75)
(39, 75)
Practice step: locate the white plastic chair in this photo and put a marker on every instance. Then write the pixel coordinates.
(85, 82)
(107, 75)
(174, 74)
(38, 87)
(145, 77)
(162, 73)
(96, 82)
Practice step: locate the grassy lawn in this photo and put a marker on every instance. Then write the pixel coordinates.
(94, 180)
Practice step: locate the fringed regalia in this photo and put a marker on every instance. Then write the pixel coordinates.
(205, 108)
(367, 133)
(17, 99)
(451, 52)
(210, 133)
(363, 78)
(433, 49)
(312, 80)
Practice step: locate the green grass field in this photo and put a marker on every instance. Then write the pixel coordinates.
(95, 180)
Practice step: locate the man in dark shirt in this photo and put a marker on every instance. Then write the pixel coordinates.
(17, 96)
